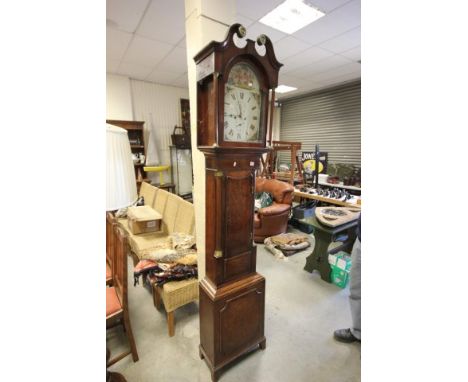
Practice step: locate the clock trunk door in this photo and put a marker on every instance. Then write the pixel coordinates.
(238, 236)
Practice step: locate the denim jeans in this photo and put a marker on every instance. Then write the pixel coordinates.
(355, 289)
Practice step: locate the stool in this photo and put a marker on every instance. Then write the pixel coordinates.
(170, 187)
(324, 236)
(167, 186)
(175, 294)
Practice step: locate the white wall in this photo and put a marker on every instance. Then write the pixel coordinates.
(205, 21)
(119, 98)
(159, 107)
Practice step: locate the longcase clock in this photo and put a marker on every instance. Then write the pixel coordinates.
(235, 97)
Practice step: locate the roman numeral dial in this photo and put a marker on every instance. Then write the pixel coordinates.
(242, 105)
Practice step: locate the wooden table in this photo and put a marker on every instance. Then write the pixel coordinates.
(325, 199)
(337, 185)
(324, 236)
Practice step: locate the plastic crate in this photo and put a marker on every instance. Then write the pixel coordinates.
(302, 212)
(340, 265)
(339, 277)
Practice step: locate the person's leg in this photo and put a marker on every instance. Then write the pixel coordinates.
(354, 333)
(355, 289)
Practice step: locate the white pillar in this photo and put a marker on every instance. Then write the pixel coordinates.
(275, 136)
(205, 21)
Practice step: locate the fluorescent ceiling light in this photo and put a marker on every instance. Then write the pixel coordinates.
(292, 15)
(284, 89)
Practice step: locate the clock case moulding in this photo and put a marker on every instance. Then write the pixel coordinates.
(232, 293)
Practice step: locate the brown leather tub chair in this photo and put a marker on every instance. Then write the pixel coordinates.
(272, 220)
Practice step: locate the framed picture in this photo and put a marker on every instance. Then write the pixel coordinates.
(185, 112)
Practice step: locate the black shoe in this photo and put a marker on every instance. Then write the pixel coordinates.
(345, 335)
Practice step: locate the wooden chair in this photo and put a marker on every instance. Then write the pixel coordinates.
(117, 296)
(112, 376)
(110, 221)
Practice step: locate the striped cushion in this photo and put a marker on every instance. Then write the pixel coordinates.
(148, 192)
(160, 200)
(185, 218)
(178, 217)
(170, 213)
(142, 243)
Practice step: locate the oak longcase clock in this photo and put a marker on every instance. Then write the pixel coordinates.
(235, 96)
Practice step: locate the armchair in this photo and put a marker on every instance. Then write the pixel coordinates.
(272, 220)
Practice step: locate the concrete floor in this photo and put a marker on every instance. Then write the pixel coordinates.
(301, 313)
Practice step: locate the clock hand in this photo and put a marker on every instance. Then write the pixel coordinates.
(240, 109)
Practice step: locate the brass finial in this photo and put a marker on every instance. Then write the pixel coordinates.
(261, 40)
(241, 32)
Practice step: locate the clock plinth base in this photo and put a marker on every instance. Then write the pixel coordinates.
(231, 320)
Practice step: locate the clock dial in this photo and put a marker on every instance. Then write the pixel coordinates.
(242, 105)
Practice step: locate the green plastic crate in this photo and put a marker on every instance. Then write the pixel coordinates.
(339, 277)
(340, 265)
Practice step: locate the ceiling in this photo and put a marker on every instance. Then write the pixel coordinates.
(146, 41)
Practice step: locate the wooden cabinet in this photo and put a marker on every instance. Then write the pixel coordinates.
(137, 144)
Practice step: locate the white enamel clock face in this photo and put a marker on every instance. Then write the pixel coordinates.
(242, 104)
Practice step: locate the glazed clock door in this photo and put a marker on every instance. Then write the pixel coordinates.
(242, 105)
(238, 234)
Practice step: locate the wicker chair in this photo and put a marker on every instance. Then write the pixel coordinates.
(173, 295)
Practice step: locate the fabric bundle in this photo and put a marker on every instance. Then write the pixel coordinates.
(175, 273)
(289, 239)
(160, 273)
(173, 259)
(286, 244)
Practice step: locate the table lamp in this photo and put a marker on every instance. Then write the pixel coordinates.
(121, 188)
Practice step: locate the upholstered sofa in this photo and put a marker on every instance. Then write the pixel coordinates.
(178, 216)
(272, 220)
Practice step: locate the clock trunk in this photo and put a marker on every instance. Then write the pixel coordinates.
(232, 294)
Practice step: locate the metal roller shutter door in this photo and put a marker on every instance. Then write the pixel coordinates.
(330, 118)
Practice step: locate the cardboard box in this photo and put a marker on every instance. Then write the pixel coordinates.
(143, 219)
